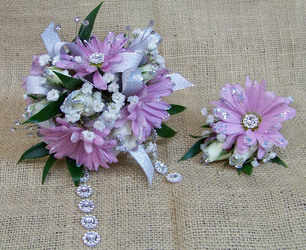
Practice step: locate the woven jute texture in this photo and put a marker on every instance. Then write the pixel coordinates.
(210, 43)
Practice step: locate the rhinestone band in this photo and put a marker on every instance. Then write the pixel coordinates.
(90, 238)
(161, 167)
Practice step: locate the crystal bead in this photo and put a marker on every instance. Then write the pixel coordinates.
(236, 160)
(29, 134)
(161, 167)
(16, 123)
(204, 158)
(85, 23)
(12, 129)
(154, 154)
(154, 135)
(221, 114)
(89, 221)
(77, 19)
(239, 95)
(58, 27)
(290, 98)
(91, 238)
(86, 206)
(174, 177)
(84, 191)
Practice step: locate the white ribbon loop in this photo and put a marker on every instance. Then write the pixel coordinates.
(180, 82)
(141, 156)
(130, 60)
(131, 81)
(37, 85)
(50, 38)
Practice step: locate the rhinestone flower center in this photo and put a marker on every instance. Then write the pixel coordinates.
(96, 58)
(250, 121)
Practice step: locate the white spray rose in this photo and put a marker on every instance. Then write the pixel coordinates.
(78, 103)
(238, 160)
(52, 78)
(126, 138)
(213, 152)
(34, 108)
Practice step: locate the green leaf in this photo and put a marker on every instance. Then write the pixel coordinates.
(69, 82)
(35, 97)
(193, 151)
(205, 126)
(49, 163)
(96, 115)
(47, 112)
(100, 71)
(85, 32)
(247, 169)
(223, 152)
(75, 171)
(196, 136)
(279, 161)
(239, 171)
(165, 131)
(36, 151)
(175, 109)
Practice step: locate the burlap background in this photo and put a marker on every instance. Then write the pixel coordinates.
(210, 43)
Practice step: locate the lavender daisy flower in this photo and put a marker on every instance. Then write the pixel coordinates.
(244, 127)
(251, 116)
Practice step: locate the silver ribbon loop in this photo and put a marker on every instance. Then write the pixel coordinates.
(50, 38)
(58, 48)
(75, 50)
(37, 85)
(179, 82)
(131, 81)
(141, 156)
(130, 60)
(145, 37)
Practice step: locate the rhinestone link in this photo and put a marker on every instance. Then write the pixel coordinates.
(84, 191)
(91, 238)
(174, 177)
(89, 221)
(86, 206)
(161, 167)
